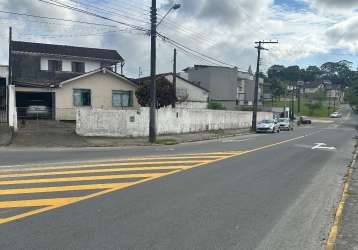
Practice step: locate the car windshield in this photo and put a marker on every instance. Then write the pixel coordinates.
(283, 120)
(267, 121)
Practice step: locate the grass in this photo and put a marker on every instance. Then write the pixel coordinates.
(168, 141)
(305, 111)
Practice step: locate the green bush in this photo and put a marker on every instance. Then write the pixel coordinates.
(216, 106)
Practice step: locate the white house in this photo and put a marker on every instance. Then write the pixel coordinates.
(188, 93)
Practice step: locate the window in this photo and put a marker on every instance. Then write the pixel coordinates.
(81, 97)
(54, 65)
(78, 67)
(122, 98)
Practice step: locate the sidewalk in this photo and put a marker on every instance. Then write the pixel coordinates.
(347, 238)
(5, 135)
(68, 139)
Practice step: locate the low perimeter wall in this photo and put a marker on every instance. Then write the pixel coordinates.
(135, 123)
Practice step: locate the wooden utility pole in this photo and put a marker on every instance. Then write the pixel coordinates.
(174, 78)
(256, 91)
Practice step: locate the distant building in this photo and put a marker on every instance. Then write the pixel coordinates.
(229, 86)
(189, 94)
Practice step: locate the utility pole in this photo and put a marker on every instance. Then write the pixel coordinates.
(9, 77)
(293, 103)
(174, 79)
(299, 99)
(153, 87)
(256, 92)
(329, 102)
(10, 57)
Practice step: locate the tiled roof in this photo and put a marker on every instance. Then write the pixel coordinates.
(64, 50)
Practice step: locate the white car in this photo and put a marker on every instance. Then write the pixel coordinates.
(336, 115)
(268, 125)
(285, 124)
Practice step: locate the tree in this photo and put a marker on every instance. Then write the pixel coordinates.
(352, 95)
(338, 72)
(312, 73)
(276, 80)
(164, 93)
(292, 74)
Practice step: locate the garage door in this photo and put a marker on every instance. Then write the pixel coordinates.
(35, 105)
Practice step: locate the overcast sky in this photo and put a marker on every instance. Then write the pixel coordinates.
(309, 32)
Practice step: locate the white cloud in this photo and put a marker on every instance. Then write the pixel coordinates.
(225, 30)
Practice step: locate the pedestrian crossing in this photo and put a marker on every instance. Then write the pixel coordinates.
(30, 190)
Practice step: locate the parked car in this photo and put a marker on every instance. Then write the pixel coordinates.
(268, 125)
(336, 115)
(303, 120)
(285, 124)
(37, 109)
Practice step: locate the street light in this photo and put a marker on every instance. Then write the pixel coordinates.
(174, 7)
(153, 62)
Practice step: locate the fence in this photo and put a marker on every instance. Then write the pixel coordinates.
(46, 113)
(134, 123)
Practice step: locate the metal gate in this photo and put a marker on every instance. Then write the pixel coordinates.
(3, 105)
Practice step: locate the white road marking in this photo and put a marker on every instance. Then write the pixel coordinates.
(323, 146)
(233, 140)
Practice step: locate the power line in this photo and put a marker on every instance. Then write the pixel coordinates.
(165, 38)
(58, 4)
(92, 6)
(57, 19)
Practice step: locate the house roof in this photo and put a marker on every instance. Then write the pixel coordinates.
(102, 70)
(197, 66)
(137, 81)
(312, 85)
(64, 50)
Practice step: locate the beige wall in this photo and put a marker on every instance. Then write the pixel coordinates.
(101, 86)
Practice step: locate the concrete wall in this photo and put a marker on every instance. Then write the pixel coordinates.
(133, 123)
(101, 86)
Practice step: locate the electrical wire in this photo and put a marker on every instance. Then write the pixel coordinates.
(56, 3)
(57, 19)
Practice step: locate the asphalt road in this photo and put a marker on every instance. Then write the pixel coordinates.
(251, 192)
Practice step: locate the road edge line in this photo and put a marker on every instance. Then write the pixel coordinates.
(331, 241)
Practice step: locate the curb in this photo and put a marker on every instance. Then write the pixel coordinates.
(331, 242)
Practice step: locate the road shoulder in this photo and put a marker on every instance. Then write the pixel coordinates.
(347, 234)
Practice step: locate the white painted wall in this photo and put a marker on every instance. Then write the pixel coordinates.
(195, 94)
(12, 107)
(4, 72)
(92, 65)
(134, 123)
(67, 64)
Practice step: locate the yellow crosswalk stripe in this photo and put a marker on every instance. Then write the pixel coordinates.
(115, 171)
(37, 203)
(92, 171)
(81, 178)
(106, 165)
(62, 188)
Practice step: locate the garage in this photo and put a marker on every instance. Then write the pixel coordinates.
(35, 105)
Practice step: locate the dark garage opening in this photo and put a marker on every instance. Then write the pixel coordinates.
(35, 105)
